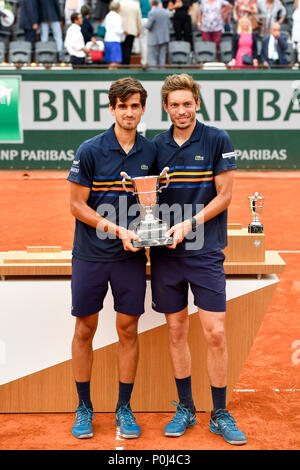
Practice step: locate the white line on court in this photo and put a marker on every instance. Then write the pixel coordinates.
(289, 251)
(250, 390)
(118, 438)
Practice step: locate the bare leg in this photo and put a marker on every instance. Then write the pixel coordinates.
(128, 347)
(82, 350)
(178, 327)
(213, 324)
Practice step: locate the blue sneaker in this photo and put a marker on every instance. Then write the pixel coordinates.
(126, 421)
(184, 418)
(82, 427)
(222, 422)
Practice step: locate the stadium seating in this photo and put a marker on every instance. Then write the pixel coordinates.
(2, 52)
(45, 52)
(197, 35)
(20, 52)
(225, 51)
(65, 56)
(5, 36)
(259, 46)
(290, 54)
(205, 51)
(179, 53)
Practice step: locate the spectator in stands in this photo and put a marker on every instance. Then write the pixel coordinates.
(113, 36)
(210, 20)
(273, 47)
(182, 20)
(270, 11)
(74, 42)
(87, 27)
(244, 8)
(131, 15)
(29, 19)
(158, 26)
(72, 6)
(227, 17)
(296, 28)
(50, 16)
(145, 8)
(244, 45)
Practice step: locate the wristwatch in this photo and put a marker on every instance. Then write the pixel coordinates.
(194, 224)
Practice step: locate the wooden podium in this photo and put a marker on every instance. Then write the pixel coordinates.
(37, 330)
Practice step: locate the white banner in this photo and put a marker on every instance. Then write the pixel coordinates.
(231, 105)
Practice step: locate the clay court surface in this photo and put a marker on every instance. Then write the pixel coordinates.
(266, 401)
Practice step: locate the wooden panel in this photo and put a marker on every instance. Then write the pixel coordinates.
(45, 249)
(46, 260)
(245, 247)
(234, 226)
(273, 263)
(53, 389)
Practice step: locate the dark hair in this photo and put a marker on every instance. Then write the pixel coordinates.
(85, 10)
(74, 17)
(124, 88)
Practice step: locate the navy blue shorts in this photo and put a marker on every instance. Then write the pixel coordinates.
(171, 277)
(90, 282)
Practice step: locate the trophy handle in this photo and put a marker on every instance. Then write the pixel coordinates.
(164, 173)
(126, 177)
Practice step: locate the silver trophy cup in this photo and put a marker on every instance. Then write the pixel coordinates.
(150, 229)
(256, 207)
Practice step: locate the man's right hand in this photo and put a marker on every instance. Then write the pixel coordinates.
(127, 236)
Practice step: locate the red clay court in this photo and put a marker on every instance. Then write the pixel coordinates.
(34, 210)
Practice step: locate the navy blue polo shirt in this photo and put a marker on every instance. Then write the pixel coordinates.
(193, 167)
(97, 165)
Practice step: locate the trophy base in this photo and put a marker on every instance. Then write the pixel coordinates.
(253, 228)
(152, 242)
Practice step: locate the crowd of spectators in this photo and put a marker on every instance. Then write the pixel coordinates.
(110, 32)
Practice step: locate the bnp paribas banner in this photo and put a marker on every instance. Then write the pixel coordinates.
(46, 115)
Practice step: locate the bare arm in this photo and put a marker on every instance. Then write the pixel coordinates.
(199, 19)
(80, 210)
(174, 6)
(224, 185)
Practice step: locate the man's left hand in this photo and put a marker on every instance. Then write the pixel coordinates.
(179, 232)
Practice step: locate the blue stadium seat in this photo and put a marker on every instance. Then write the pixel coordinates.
(45, 52)
(20, 52)
(205, 51)
(179, 53)
(2, 52)
(225, 51)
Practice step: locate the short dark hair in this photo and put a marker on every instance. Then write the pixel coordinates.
(124, 88)
(85, 10)
(74, 16)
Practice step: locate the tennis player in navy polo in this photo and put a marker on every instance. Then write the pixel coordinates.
(202, 163)
(103, 251)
